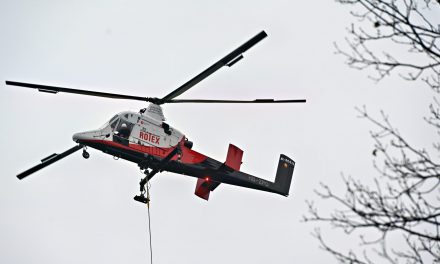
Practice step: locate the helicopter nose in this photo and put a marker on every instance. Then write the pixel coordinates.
(77, 137)
(88, 135)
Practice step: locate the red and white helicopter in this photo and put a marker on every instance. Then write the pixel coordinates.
(145, 139)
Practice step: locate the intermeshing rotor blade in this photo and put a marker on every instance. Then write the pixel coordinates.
(228, 60)
(256, 101)
(48, 160)
(55, 89)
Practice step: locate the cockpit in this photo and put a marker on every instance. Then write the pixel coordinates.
(120, 126)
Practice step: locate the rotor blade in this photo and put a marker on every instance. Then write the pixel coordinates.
(256, 101)
(228, 60)
(47, 161)
(55, 89)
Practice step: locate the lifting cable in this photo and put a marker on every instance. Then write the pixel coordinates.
(149, 221)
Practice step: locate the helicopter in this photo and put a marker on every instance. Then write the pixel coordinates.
(145, 139)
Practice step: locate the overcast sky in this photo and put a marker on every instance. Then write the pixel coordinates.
(82, 211)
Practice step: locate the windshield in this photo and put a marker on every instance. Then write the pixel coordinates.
(113, 122)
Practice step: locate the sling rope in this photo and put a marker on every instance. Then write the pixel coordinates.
(149, 222)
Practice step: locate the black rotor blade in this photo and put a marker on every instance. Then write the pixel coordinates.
(256, 101)
(47, 161)
(228, 60)
(55, 89)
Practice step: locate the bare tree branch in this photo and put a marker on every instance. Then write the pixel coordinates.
(406, 24)
(404, 201)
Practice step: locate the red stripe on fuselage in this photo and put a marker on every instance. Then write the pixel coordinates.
(188, 156)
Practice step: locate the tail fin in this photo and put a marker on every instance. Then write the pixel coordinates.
(233, 161)
(284, 174)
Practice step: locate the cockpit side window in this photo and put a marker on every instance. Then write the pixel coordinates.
(113, 118)
(124, 128)
(114, 121)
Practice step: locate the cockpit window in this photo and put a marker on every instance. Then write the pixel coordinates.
(122, 130)
(114, 121)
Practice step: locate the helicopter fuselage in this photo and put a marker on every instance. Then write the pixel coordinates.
(143, 139)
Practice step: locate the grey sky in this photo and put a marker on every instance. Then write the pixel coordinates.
(81, 211)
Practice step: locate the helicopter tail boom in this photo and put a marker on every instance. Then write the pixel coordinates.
(281, 185)
(229, 173)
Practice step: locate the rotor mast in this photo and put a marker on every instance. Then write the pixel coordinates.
(154, 111)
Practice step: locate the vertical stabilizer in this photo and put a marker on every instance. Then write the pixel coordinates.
(233, 161)
(284, 174)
